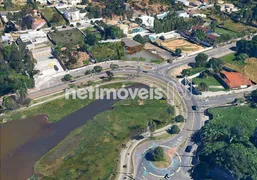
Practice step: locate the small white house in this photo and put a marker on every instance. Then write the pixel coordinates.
(148, 21)
(183, 14)
(72, 14)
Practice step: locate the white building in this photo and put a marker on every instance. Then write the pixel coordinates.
(199, 15)
(72, 2)
(228, 8)
(32, 38)
(185, 2)
(183, 14)
(42, 1)
(148, 21)
(72, 14)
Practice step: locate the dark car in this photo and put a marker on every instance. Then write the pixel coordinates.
(56, 68)
(194, 108)
(188, 148)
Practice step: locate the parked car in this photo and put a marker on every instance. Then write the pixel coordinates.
(188, 148)
(194, 108)
(56, 68)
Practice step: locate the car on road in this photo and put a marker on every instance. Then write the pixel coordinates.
(194, 108)
(188, 148)
(56, 68)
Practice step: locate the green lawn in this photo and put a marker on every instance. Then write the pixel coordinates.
(157, 61)
(241, 116)
(92, 151)
(210, 81)
(67, 37)
(196, 70)
(223, 31)
(229, 58)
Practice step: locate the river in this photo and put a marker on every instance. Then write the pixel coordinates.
(25, 141)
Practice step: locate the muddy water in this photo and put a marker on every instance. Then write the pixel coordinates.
(24, 142)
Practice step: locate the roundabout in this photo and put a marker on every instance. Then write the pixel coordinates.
(170, 165)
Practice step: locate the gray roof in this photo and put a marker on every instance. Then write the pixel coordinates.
(72, 9)
(130, 43)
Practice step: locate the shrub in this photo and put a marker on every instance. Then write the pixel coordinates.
(179, 118)
(174, 129)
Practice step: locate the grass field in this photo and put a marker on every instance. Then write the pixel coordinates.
(227, 32)
(67, 37)
(182, 44)
(157, 61)
(242, 116)
(210, 81)
(196, 70)
(92, 151)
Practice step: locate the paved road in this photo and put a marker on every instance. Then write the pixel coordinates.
(142, 170)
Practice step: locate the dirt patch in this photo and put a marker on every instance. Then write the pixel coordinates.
(140, 103)
(182, 44)
(177, 71)
(82, 59)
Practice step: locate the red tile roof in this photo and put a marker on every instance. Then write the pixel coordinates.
(235, 79)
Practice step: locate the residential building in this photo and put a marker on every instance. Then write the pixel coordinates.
(183, 14)
(228, 8)
(185, 2)
(131, 46)
(72, 14)
(233, 80)
(32, 39)
(72, 2)
(148, 21)
(7, 38)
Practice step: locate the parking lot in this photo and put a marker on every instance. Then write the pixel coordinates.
(47, 65)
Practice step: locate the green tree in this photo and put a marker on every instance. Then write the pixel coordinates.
(178, 51)
(186, 72)
(179, 118)
(67, 77)
(88, 72)
(139, 39)
(201, 60)
(91, 39)
(174, 129)
(202, 86)
(114, 66)
(98, 69)
(158, 154)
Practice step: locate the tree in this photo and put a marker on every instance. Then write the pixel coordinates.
(88, 72)
(215, 64)
(186, 72)
(114, 66)
(202, 86)
(178, 52)
(170, 110)
(98, 69)
(139, 39)
(9, 103)
(67, 77)
(91, 39)
(201, 60)
(200, 171)
(158, 154)
(241, 57)
(254, 96)
(56, 18)
(213, 25)
(109, 74)
(179, 118)
(174, 129)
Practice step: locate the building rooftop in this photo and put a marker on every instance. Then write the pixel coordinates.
(235, 79)
(130, 43)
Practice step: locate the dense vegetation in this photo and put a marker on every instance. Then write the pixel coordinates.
(229, 142)
(16, 69)
(247, 47)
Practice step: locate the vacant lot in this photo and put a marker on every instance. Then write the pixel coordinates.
(182, 44)
(49, 14)
(67, 37)
(210, 81)
(92, 151)
(106, 51)
(243, 117)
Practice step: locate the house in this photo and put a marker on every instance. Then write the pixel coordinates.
(38, 23)
(205, 30)
(228, 8)
(185, 2)
(131, 46)
(233, 80)
(7, 38)
(32, 39)
(72, 2)
(148, 21)
(183, 14)
(72, 14)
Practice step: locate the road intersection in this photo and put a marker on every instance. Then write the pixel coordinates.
(133, 157)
